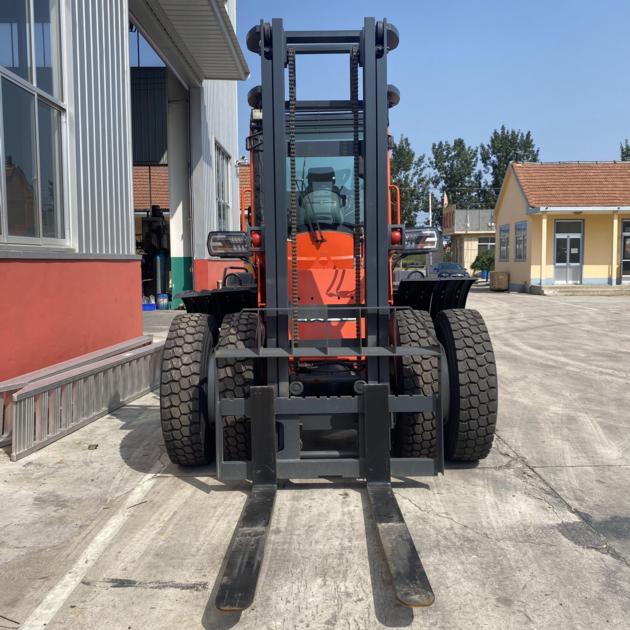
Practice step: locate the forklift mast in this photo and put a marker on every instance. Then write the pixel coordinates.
(365, 143)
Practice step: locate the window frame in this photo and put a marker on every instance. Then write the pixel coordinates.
(222, 159)
(486, 246)
(504, 232)
(59, 104)
(520, 237)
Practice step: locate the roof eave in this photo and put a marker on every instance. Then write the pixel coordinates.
(156, 21)
(576, 209)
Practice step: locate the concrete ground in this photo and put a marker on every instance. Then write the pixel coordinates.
(99, 531)
(156, 323)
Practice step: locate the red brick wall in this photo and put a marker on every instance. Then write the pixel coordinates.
(244, 183)
(150, 187)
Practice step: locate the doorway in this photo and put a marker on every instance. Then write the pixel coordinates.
(568, 249)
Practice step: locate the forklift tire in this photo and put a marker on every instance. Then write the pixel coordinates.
(234, 377)
(472, 418)
(188, 433)
(414, 434)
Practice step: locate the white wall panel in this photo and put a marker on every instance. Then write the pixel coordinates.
(102, 134)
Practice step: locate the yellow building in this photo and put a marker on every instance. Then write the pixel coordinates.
(471, 231)
(564, 223)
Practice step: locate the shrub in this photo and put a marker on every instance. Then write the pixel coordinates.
(484, 261)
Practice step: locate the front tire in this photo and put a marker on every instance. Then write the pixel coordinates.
(187, 431)
(469, 431)
(414, 434)
(235, 377)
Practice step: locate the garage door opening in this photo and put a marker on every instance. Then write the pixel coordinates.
(160, 147)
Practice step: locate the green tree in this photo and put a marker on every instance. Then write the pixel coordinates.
(409, 173)
(484, 261)
(624, 149)
(455, 172)
(505, 146)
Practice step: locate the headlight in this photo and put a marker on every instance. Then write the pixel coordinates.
(228, 244)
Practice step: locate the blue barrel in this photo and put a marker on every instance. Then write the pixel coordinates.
(162, 301)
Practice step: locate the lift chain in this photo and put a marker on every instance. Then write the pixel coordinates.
(354, 98)
(293, 202)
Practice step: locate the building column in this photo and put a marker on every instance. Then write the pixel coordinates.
(615, 251)
(179, 185)
(543, 248)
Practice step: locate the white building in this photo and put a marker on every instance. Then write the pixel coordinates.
(69, 265)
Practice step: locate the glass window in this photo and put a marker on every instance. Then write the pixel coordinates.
(504, 242)
(222, 177)
(15, 37)
(520, 241)
(47, 46)
(574, 249)
(568, 227)
(50, 190)
(18, 123)
(625, 227)
(31, 126)
(561, 251)
(324, 168)
(485, 243)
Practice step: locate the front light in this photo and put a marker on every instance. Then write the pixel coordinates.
(420, 240)
(228, 244)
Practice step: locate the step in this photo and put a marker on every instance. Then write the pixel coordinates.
(582, 290)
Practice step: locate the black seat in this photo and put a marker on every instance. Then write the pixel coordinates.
(321, 201)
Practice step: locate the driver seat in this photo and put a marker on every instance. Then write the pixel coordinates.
(321, 201)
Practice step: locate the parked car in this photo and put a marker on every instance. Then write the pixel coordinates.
(448, 270)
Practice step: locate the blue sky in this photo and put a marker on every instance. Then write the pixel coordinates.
(560, 68)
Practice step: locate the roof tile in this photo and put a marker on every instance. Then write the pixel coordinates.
(574, 183)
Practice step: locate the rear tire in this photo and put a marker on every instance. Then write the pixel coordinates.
(188, 433)
(469, 431)
(414, 434)
(235, 377)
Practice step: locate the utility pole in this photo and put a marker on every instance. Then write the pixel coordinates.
(430, 256)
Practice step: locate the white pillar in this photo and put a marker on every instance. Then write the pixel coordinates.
(179, 184)
(615, 251)
(543, 248)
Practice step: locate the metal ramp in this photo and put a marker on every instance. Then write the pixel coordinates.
(38, 408)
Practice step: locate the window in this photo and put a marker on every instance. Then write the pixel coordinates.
(222, 183)
(485, 243)
(504, 242)
(520, 249)
(32, 114)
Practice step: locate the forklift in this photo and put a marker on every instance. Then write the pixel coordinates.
(315, 363)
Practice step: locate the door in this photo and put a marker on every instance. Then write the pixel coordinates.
(568, 252)
(625, 253)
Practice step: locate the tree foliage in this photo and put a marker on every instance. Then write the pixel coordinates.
(624, 150)
(484, 261)
(505, 146)
(409, 173)
(471, 176)
(455, 172)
